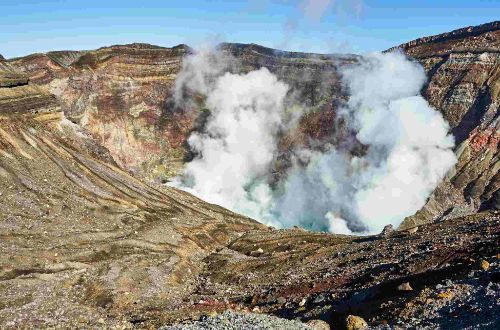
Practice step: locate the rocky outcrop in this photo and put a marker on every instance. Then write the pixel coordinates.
(9, 77)
(17, 97)
(464, 85)
(26, 99)
(468, 39)
(119, 95)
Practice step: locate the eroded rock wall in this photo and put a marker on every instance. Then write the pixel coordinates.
(119, 95)
(463, 67)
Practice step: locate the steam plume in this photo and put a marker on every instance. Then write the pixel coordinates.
(238, 147)
(408, 149)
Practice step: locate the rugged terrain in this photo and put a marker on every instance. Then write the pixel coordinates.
(87, 243)
(80, 237)
(464, 84)
(121, 95)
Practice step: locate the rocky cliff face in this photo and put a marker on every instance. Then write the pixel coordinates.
(9, 77)
(463, 67)
(17, 97)
(119, 94)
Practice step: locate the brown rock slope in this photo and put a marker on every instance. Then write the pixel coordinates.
(120, 95)
(293, 273)
(82, 242)
(464, 85)
(9, 77)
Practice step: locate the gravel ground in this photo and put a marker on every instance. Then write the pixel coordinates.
(470, 303)
(234, 320)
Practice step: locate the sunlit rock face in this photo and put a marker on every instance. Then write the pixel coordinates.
(86, 244)
(463, 69)
(79, 235)
(119, 94)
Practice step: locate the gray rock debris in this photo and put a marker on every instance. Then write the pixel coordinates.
(230, 320)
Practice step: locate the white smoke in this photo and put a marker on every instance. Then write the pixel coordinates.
(198, 73)
(409, 152)
(239, 145)
(408, 149)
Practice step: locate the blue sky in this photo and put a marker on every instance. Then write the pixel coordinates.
(325, 26)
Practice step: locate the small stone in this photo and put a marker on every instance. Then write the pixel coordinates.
(302, 302)
(485, 265)
(405, 287)
(257, 252)
(355, 323)
(281, 300)
(318, 325)
(101, 321)
(319, 299)
(445, 295)
(412, 230)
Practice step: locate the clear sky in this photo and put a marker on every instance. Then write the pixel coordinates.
(325, 26)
